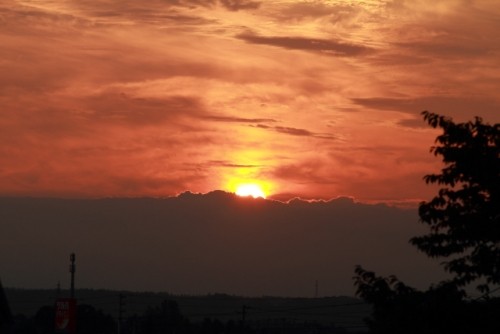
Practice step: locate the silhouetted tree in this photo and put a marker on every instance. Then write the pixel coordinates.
(164, 319)
(92, 321)
(464, 220)
(5, 314)
(398, 308)
(210, 326)
(464, 217)
(44, 320)
(21, 325)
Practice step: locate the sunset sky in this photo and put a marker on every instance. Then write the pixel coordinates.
(316, 99)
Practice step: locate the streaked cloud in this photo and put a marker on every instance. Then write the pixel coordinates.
(459, 107)
(231, 119)
(96, 96)
(329, 47)
(295, 131)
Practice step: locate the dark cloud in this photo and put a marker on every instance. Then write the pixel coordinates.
(217, 164)
(332, 47)
(293, 131)
(232, 119)
(209, 243)
(240, 4)
(283, 196)
(296, 131)
(460, 107)
(183, 19)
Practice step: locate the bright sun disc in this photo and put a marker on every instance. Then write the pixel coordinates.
(250, 190)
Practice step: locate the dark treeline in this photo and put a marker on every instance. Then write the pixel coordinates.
(104, 311)
(165, 318)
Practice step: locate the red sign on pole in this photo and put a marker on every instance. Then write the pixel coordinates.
(66, 316)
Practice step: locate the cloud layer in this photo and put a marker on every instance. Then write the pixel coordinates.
(319, 98)
(184, 245)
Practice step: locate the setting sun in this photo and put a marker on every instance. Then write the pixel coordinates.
(253, 190)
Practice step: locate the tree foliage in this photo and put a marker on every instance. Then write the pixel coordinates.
(464, 221)
(464, 217)
(441, 309)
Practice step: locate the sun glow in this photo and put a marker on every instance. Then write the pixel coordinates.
(250, 189)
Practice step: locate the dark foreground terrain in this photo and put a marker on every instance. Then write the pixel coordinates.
(147, 312)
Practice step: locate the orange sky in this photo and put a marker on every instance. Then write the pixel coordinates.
(317, 99)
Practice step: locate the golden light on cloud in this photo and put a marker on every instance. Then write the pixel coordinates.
(247, 176)
(205, 97)
(250, 189)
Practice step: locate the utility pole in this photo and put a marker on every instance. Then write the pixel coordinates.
(244, 309)
(316, 289)
(121, 310)
(72, 268)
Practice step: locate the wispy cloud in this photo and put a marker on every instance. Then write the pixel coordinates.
(232, 119)
(460, 106)
(94, 93)
(240, 4)
(296, 132)
(330, 47)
